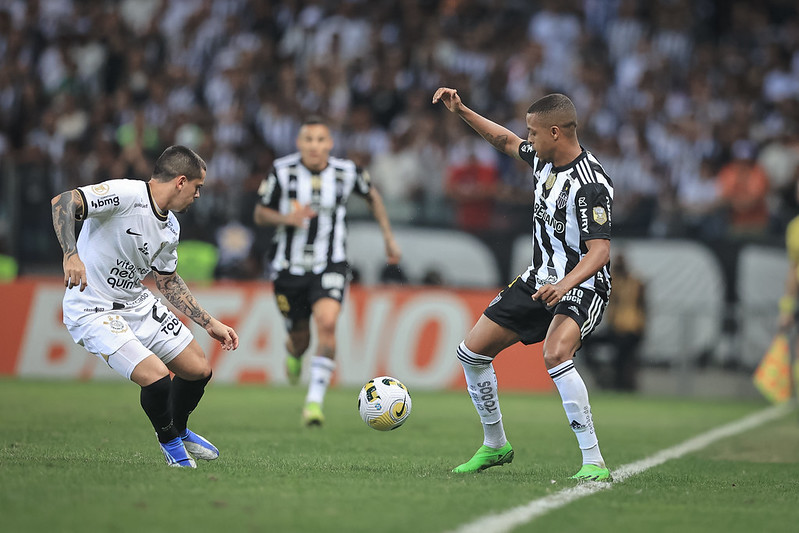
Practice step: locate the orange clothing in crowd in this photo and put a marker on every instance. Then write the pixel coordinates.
(744, 186)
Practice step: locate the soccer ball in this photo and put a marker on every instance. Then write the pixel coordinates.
(384, 403)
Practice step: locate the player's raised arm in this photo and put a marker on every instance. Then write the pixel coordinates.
(498, 136)
(175, 290)
(66, 207)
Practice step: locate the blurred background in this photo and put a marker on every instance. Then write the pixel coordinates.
(691, 105)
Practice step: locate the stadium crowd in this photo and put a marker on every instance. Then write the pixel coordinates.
(692, 105)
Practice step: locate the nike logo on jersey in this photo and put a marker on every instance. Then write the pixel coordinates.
(130, 231)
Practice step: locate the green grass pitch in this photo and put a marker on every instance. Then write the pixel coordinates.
(82, 457)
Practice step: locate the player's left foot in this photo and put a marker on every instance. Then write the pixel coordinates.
(593, 473)
(486, 457)
(312, 414)
(198, 446)
(176, 454)
(293, 369)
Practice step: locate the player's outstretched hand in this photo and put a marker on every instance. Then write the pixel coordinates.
(74, 272)
(393, 252)
(226, 336)
(449, 97)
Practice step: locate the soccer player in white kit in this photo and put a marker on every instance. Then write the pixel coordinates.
(128, 231)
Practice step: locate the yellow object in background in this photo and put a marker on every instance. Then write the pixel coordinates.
(773, 375)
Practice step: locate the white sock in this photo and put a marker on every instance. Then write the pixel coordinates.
(481, 383)
(575, 402)
(321, 372)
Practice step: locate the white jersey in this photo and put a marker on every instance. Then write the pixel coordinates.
(124, 236)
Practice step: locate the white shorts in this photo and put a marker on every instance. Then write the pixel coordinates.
(150, 328)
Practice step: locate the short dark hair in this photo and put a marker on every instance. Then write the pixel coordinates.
(557, 106)
(314, 120)
(176, 161)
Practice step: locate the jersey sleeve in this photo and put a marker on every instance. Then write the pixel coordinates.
(269, 191)
(363, 181)
(527, 153)
(105, 199)
(594, 204)
(166, 262)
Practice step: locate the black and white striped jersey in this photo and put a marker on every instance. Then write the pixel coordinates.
(323, 239)
(572, 204)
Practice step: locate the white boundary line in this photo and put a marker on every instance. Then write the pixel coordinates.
(517, 516)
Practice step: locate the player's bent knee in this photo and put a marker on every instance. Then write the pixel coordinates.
(553, 358)
(148, 371)
(191, 363)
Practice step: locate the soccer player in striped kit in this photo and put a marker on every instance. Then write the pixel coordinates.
(561, 296)
(305, 197)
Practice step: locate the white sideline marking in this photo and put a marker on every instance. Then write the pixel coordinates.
(517, 516)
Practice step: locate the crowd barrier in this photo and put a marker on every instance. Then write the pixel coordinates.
(409, 333)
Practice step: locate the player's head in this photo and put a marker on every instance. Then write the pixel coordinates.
(314, 142)
(186, 169)
(551, 123)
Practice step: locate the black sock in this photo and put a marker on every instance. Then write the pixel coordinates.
(185, 397)
(155, 402)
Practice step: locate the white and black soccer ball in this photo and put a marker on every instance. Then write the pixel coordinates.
(384, 403)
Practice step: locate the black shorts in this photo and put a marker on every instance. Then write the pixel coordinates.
(296, 295)
(513, 308)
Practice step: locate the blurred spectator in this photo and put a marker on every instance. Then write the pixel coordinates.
(744, 189)
(234, 242)
(780, 160)
(398, 175)
(701, 205)
(626, 325)
(472, 182)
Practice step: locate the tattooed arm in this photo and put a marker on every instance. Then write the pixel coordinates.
(66, 207)
(177, 293)
(497, 136)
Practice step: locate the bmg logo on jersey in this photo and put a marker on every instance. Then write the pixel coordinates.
(102, 202)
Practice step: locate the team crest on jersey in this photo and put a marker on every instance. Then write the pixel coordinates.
(550, 181)
(563, 197)
(600, 216)
(116, 324)
(100, 189)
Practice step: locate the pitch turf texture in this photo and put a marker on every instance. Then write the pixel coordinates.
(81, 457)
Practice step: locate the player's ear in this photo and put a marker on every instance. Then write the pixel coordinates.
(182, 180)
(554, 131)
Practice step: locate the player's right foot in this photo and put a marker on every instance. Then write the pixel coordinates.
(176, 455)
(486, 457)
(293, 369)
(198, 446)
(312, 414)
